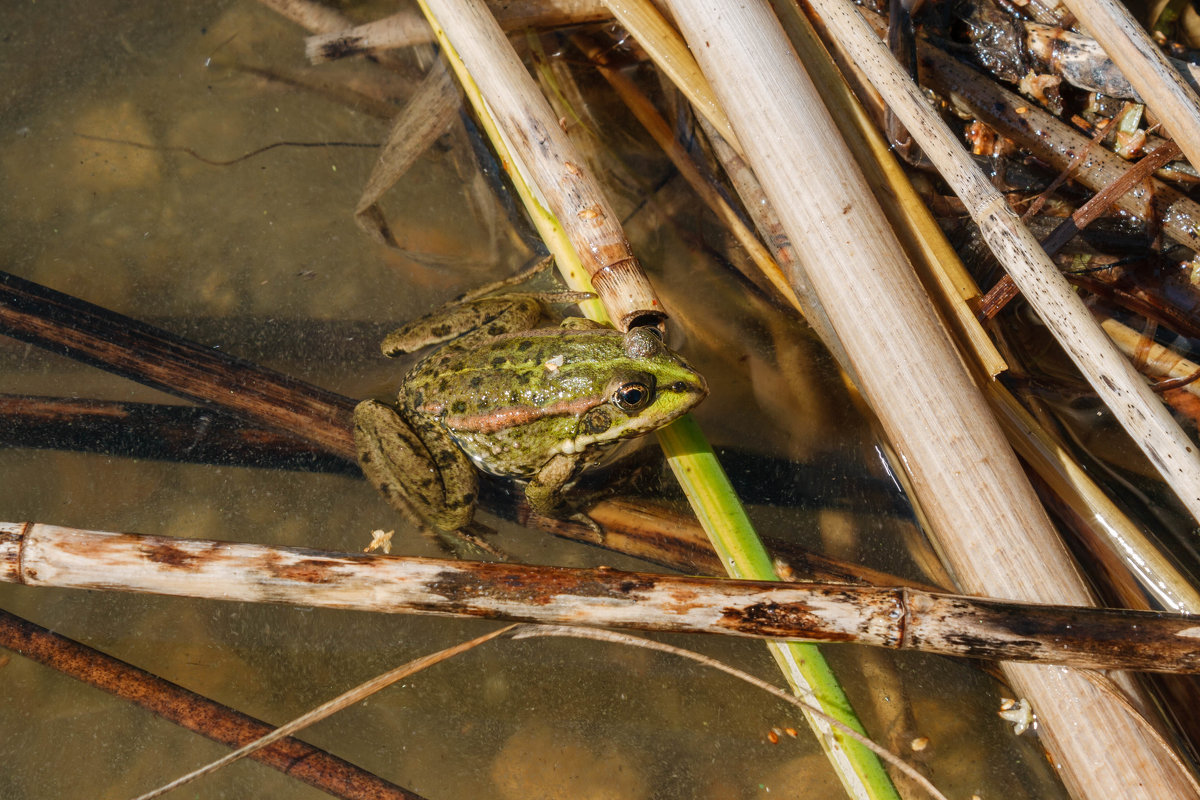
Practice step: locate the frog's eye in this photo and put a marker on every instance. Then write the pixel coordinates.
(633, 396)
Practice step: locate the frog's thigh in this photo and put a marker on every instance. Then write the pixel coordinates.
(457, 476)
(545, 491)
(396, 461)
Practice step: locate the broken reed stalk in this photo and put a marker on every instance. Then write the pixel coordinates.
(670, 54)
(562, 182)
(643, 109)
(1159, 575)
(986, 517)
(194, 712)
(409, 27)
(1143, 63)
(891, 617)
(1129, 774)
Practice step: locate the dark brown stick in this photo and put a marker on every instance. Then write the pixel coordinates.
(898, 618)
(72, 327)
(166, 432)
(192, 711)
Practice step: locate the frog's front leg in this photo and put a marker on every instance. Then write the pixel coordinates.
(545, 491)
(422, 474)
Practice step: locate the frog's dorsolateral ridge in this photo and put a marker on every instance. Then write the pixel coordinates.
(503, 396)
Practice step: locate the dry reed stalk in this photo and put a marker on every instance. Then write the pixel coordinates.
(533, 135)
(982, 510)
(645, 112)
(1140, 412)
(1161, 362)
(893, 617)
(1144, 65)
(1122, 539)
(1110, 374)
(670, 54)
(409, 27)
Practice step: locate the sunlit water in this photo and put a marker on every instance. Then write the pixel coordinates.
(237, 256)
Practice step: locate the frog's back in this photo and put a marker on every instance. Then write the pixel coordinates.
(511, 401)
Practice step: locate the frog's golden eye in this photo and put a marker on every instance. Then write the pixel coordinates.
(633, 396)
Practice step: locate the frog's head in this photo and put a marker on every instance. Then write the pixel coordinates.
(648, 386)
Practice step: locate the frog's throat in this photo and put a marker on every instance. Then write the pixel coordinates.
(513, 416)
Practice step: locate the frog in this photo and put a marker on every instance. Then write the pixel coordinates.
(505, 395)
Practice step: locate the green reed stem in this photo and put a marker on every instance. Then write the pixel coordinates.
(806, 670)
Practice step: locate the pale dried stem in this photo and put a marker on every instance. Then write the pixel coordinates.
(988, 521)
(409, 27)
(533, 135)
(892, 617)
(1159, 576)
(657, 127)
(670, 53)
(1162, 362)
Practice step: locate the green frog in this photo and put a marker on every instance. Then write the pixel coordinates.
(509, 398)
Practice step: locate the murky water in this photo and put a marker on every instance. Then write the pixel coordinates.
(262, 259)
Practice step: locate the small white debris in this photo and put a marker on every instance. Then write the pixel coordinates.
(1018, 712)
(553, 364)
(380, 540)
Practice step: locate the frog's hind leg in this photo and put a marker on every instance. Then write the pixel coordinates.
(398, 463)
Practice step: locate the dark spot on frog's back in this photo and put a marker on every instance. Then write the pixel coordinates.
(440, 330)
(495, 330)
(525, 345)
(458, 407)
(443, 385)
(476, 381)
(499, 361)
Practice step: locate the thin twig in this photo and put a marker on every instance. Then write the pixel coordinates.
(360, 692)
(229, 162)
(531, 632)
(1004, 290)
